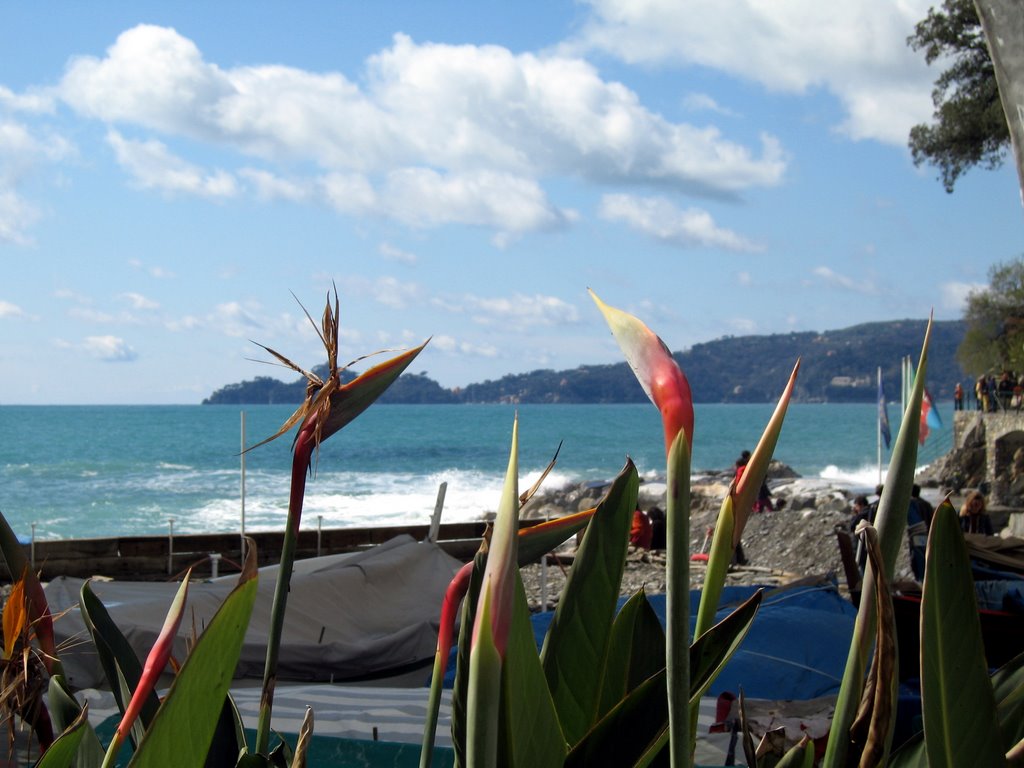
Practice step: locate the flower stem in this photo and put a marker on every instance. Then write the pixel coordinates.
(677, 565)
(302, 455)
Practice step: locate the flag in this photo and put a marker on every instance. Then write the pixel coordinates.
(929, 417)
(883, 413)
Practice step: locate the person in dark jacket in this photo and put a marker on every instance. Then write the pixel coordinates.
(973, 517)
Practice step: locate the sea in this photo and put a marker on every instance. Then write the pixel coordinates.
(88, 471)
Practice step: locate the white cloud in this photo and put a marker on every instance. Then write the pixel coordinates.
(33, 102)
(138, 301)
(234, 319)
(153, 166)
(450, 345)
(855, 50)
(7, 309)
(439, 133)
(702, 102)
(160, 273)
(21, 151)
(661, 219)
(954, 294)
(110, 349)
(393, 253)
(744, 278)
(386, 290)
(836, 280)
(520, 311)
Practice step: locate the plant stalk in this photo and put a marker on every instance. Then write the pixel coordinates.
(301, 458)
(677, 566)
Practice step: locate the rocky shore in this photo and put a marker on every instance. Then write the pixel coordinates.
(795, 541)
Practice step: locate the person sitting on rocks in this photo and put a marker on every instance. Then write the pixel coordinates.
(973, 517)
(640, 531)
(657, 517)
(763, 503)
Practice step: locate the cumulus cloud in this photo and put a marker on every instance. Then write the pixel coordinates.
(834, 279)
(153, 166)
(659, 218)
(855, 50)
(702, 102)
(438, 133)
(109, 349)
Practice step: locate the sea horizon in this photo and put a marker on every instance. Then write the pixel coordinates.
(77, 471)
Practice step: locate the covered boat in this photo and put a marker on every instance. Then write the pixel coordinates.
(355, 616)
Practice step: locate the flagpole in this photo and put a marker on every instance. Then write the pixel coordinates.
(878, 430)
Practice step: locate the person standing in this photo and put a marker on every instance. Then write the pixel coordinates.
(973, 517)
(958, 397)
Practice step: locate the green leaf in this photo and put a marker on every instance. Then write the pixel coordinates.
(61, 754)
(65, 712)
(117, 657)
(1008, 688)
(576, 645)
(180, 734)
(631, 729)
(532, 737)
(891, 523)
(636, 651)
(957, 700)
(538, 540)
(494, 616)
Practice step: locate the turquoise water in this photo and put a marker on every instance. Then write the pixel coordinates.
(80, 471)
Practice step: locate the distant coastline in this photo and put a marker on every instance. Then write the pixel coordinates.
(836, 366)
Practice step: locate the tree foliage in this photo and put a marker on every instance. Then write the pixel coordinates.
(970, 124)
(994, 339)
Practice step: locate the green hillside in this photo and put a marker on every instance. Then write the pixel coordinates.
(836, 366)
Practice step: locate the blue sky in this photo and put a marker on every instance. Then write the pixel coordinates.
(171, 173)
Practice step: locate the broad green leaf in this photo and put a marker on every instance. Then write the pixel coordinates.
(636, 651)
(65, 712)
(61, 754)
(631, 729)
(891, 523)
(117, 657)
(576, 644)
(538, 540)
(180, 734)
(957, 701)
(1008, 688)
(531, 734)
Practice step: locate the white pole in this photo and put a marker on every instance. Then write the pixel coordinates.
(435, 519)
(242, 534)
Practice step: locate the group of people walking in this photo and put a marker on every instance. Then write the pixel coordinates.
(991, 393)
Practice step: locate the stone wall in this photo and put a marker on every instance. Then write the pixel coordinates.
(1002, 435)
